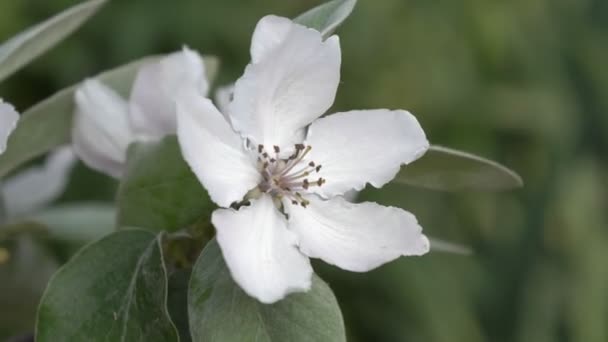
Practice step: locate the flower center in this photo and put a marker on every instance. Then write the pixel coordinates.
(287, 177)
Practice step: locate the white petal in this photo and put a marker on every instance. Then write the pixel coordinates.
(357, 147)
(355, 237)
(261, 252)
(291, 81)
(270, 32)
(8, 122)
(214, 152)
(156, 87)
(223, 97)
(101, 132)
(37, 187)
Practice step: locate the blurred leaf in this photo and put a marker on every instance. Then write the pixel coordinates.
(114, 289)
(159, 191)
(220, 311)
(326, 17)
(446, 169)
(77, 223)
(25, 269)
(49, 123)
(31, 43)
(177, 302)
(438, 245)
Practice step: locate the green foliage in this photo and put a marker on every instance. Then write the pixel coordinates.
(443, 168)
(159, 191)
(114, 289)
(220, 310)
(327, 17)
(26, 46)
(76, 224)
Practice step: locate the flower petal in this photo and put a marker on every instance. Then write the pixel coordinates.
(8, 122)
(223, 97)
(36, 187)
(357, 147)
(261, 252)
(156, 87)
(291, 81)
(355, 237)
(214, 152)
(101, 132)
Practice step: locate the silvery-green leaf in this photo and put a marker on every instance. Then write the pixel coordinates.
(446, 169)
(31, 43)
(114, 289)
(326, 17)
(220, 311)
(159, 191)
(438, 245)
(48, 124)
(78, 223)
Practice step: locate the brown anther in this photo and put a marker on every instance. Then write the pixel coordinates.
(294, 202)
(311, 164)
(299, 147)
(276, 149)
(265, 165)
(318, 168)
(265, 155)
(260, 148)
(320, 181)
(305, 184)
(272, 160)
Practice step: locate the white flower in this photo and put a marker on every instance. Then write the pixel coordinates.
(105, 123)
(8, 122)
(294, 167)
(36, 187)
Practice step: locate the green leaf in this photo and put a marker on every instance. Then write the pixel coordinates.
(446, 169)
(31, 43)
(159, 191)
(220, 311)
(77, 223)
(438, 245)
(114, 289)
(327, 17)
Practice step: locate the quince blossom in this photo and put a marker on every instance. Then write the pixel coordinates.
(105, 123)
(279, 171)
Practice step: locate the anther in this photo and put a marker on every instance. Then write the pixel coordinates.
(276, 149)
(265, 155)
(299, 147)
(311, 164)
(318, 168)
(272, 160)
(260, 148)
(305, 184)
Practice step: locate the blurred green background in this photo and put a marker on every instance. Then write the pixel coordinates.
(523, 82)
